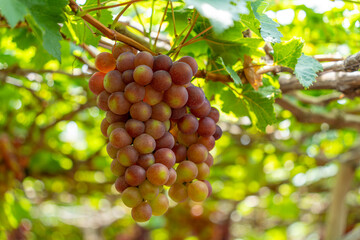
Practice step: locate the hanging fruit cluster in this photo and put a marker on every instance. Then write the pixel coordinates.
(160, 128)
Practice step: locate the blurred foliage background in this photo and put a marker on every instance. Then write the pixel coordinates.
(266, 185)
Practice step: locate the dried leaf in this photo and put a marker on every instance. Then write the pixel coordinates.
(250, 73)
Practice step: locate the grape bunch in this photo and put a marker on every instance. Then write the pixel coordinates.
(160, 128)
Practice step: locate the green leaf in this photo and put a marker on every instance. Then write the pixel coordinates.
(287, 53)
(261, 107)
(269, 31)
(306, 69)
(221, 14)
(250, 21)
(231, 72)
(13, 10)
(43, 16)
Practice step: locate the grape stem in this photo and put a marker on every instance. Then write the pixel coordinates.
(111, 34)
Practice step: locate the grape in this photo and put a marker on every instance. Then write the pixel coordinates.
(96, 83)
(157, 174)
(180, 152)
(152, 97)
(167, 125)
(165, 156)
(186, 171)
(159, 205)
(127, 156)
(203, 110)
(208, 142)
(127, 76)
(113, 82)
(172, 177)
(191, 62)
(178, 113)
(203, 171)
(209, 160)
(196, 97)
(143, 75)
(120, 138)
(209, 187)
(134, 92)
(125, 61)
(218, 133)
(162, 62)
(120, 48)
(214, 114)
(166, 141)
(144, 143)
(131, 197)
(118, 103)
(120, 184)
(188, 124)
(146, 160)
(176, 96)
(161, 81)
(187, 139)
(161, 112)
(142, 212)
(178, 192)
(148, 190)
(181, 73)
(140, 111)
(135, 175)
(144, 58)
(207, 127)
(198, 191)
(114, 126)
(102, 100)
(116, 168)
(154, 128)
(105, 62)
(111, 150)
(134, 127)
(197, 153)
(104, 127)
(112, 117)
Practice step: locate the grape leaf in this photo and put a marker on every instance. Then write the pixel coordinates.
(261, 108)
(250, 21)
(14, 11)
(269, 31)
(287, 53)
(231, 72)
(306, 69)
(221, 14)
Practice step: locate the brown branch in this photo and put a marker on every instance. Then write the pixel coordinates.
(347, 82)
(110, 6)
(108, 32)
(161, 22)
(335, 120)
(274, 69)
(321, 100)
(337, 213)
(350, 64)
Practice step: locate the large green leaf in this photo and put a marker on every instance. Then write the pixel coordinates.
(13, 10)
(269, 31)
(43, 16)
(260, 106)
(287, 53)
(306, 69)
(221, 14)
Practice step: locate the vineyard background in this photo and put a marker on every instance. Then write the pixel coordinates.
(285, 168)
